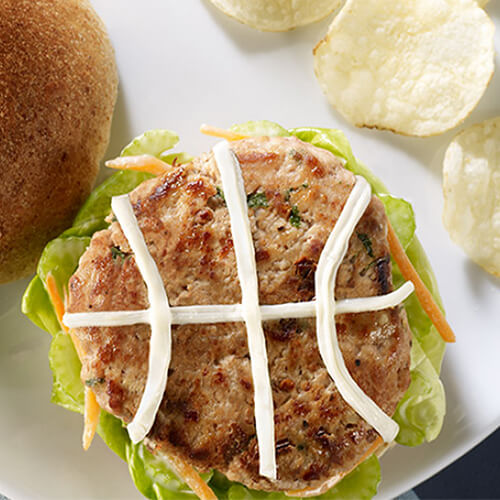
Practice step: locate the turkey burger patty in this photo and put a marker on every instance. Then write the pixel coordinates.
(295, 194)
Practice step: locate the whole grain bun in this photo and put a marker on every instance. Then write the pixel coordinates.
(58, 85)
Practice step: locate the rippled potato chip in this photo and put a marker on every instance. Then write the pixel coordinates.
(277, 15)
(416, 67)
(471, 185)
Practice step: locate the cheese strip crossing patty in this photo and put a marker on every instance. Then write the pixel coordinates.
(224, 313)
(236, 201)
(159, 317)
(325, 277)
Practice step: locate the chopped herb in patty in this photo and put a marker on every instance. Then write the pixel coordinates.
(294, 216)
(257, 200)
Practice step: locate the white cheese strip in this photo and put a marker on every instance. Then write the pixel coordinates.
(187, 315)
(106, 318)
(326, 272)
(160, 319)
(377, 303)
(236, 202)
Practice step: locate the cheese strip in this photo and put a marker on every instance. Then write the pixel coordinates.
(236, 201)
(329, 262)
(160, 319)
(187, 315)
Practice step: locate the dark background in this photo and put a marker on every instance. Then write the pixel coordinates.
(476, 475)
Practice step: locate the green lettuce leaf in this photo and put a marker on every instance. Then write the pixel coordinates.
(360, 484)
(60, 258)
(67, 388)
(114, 434)
(260, 128)
(37, 306)
(153, 477)
(178, 158)
(91, 217)
(433, 346)
(402, 218)
(152, 142)
(419, 414)
(336, 142)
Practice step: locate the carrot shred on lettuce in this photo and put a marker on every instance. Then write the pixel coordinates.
(191, 478)
(58, 304)
(141, 163)
(222, 133)
(92, 409)
(91, 414)
(424, 296)
(56, 299)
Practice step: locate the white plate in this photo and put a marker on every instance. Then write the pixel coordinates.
(182, 64)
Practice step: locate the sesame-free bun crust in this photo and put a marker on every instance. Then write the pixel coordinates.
(58, 84)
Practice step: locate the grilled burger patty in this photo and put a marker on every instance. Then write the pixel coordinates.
(295, 195)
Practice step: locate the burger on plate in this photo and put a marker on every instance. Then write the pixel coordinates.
(232, 329)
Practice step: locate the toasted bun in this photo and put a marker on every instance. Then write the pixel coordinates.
(58, 84)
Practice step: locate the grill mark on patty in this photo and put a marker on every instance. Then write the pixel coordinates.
(283, 446)
(287, 385)
(313, 163)
(384, 274)
(203, 216)
(169, 183)
(284, 329)
(305, 269)
(236, 442)
(198, 188)
(315, 471)
(261, 255)
(330, 444)
(183, 408)
(115, 393)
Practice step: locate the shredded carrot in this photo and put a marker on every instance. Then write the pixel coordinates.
(424, 296)
(308, 491)
(91, 410)
(56, 299)
(140, 163)
(192, 478)
(91, 418)
(58, 304)
(220, 132)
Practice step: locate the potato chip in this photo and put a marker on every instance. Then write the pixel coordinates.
(471, 185)
(277, 15)
(416, 67)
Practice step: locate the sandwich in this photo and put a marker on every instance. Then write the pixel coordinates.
(242, 324)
